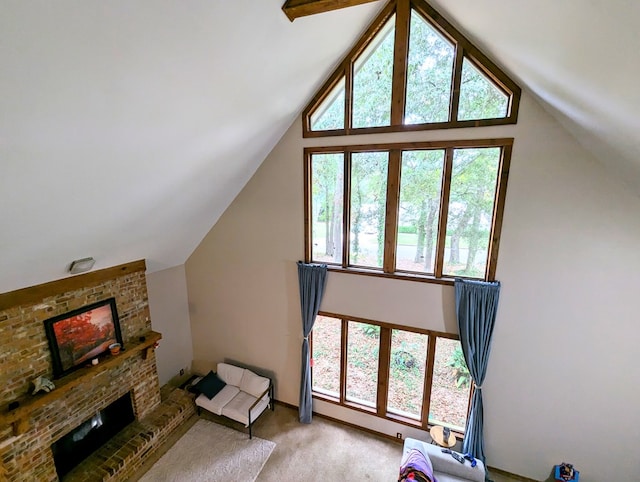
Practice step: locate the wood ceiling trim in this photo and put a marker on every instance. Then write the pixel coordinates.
(52, 288)
(301, 8)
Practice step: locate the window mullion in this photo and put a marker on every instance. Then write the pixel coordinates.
(444, 212)
(384, 361)
(348, 97)
(391, 216)
(428, 379)
(346, 209)
(455, 87)
(400, 60)
(343, 361)
(498, 211)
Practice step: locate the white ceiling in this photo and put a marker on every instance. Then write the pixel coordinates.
(127, 128)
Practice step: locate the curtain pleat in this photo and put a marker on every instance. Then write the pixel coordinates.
(312, 279)
(476, 308)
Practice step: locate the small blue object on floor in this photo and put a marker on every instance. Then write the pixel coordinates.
(565, 473)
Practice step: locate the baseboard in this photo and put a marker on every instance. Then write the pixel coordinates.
(510, 474)
(285, 404)
(390, 437)
(342, 422)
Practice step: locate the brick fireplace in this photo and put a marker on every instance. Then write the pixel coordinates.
(27, 433)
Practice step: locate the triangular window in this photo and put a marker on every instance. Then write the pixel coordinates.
(480, 98)
(411, 70)
(330, 114)
(429, 73)
(372, 80)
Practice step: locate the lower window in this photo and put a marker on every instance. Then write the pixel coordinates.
(412, 376)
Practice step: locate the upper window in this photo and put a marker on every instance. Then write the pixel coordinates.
(411, 70)
(410, 210)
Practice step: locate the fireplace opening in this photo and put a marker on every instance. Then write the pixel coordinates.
(92, 434)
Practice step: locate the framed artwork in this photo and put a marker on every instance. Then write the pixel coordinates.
(81, 335)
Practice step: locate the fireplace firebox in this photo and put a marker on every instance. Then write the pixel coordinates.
(92, 434)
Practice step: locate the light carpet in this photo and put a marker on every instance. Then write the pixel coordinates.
(210, 452)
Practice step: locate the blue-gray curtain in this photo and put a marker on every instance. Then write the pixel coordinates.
(312, 279)
(476, 308)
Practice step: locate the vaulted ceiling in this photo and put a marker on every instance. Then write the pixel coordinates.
(127, 128)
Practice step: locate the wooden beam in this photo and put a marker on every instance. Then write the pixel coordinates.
(300, 8)
(52, 288)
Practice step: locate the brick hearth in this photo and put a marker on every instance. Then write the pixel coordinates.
(123, 455)
(26, 454)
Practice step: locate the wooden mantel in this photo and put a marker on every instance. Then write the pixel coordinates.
(19, 417)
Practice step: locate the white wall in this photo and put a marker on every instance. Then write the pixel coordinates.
(169, 307)
(562, 383)
(563, 379)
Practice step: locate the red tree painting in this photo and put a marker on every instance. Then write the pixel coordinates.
(82, 334)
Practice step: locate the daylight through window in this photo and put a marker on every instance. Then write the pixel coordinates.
(412, 70)
(443, 221)
(411, 376)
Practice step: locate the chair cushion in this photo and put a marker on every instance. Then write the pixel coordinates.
(217, 403)
(238, 408)
(253, 384)
(230, 374)
(210, 385)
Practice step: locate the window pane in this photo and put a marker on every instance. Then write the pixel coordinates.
(327, 174)
(363, 344)
(429, 74)
(420, 183)
(406, 373)
(450, 386)
(480, 98)
(330, 114)
(473, 186)
(368, 208)
(372, 80)
(326, 356)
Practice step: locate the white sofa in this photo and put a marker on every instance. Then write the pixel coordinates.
(445, 467)
(245, 396)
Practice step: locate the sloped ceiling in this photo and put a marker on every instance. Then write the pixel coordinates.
(578, 57)
(127, 128)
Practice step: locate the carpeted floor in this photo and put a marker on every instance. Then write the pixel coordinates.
(322, 451)
(209, 451)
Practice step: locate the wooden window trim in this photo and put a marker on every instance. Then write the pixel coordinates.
(393, 194)
(345, 69)
(481, 61)
(463, 49)
(392, 209)
(384, 358)
(443, 216)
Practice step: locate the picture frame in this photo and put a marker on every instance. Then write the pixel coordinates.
(77, 337)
